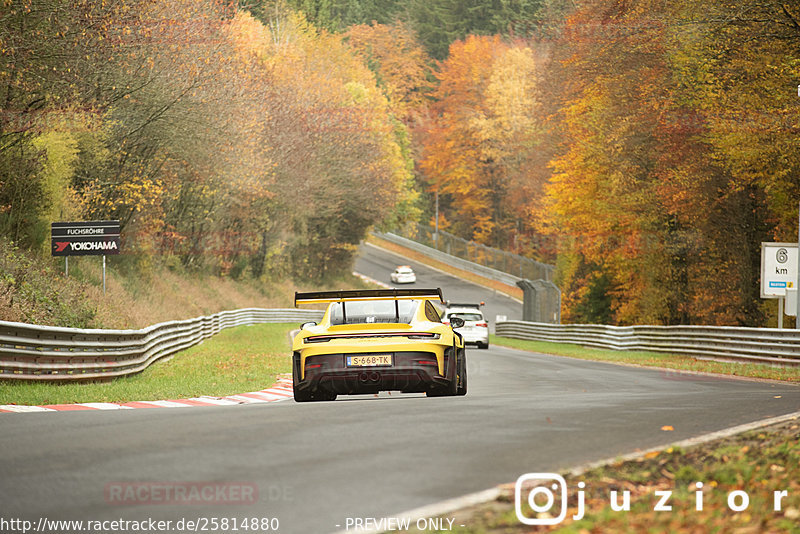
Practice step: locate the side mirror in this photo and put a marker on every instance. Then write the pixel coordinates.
(307, 325)
(457, 322)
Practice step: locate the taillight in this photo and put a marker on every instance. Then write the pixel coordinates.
(427, 362)
(481, 324)
(315, 362)
(423, 335)
(316, 339)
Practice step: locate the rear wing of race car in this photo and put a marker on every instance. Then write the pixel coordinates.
(316, 297)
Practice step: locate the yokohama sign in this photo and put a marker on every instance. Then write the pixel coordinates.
(94, 238)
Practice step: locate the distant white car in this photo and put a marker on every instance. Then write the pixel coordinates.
(476, 327)
(404, 275)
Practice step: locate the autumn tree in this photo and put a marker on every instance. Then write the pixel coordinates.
(400, 64)
(659, 217)
(46, 100)
(346, 162)
(202, 130)
(482, 137)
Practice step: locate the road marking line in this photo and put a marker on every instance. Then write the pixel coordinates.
(104, 406)
(166, 404)
(216, 401)
(459, 503)
(371, 280)
(23, 409)
(690, 442)
(263, 395)
(142, 404)
(281, 391)
(67, 407)
(245, 400)
(195, 402)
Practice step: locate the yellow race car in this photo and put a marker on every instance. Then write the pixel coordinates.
(378, 340)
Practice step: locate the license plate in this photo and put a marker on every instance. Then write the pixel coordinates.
(370, 360)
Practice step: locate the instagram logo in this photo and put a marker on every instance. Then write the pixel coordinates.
(542, 489)
(541, 497)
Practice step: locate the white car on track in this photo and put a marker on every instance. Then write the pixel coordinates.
(404, 275)
(476, 327)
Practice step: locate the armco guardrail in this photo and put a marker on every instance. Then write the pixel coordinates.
(501, 260)
(460, 263)
(31, 352)
(758, 345)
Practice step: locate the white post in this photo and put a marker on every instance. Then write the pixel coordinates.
(436, 232)
(797, 315)
(780, 312)
(104, 274)
(66, 265)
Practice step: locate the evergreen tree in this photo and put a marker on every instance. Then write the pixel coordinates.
(440, 22)
(437, 22)
(335, 15)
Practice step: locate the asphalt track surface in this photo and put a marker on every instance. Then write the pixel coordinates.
(317, 464)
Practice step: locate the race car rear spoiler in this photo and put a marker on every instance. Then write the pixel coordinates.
(315, 297)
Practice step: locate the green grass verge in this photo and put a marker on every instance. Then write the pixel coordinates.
(653, 359)
(237, 360)
(758, 463)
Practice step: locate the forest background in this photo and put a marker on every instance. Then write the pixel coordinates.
(647, 147)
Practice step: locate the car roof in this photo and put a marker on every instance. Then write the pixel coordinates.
(463, 305)
(461, 309)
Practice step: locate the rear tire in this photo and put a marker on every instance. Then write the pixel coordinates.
(306, 395)
(462, 376)
(301, 396)
(451, 389)
(313, 396)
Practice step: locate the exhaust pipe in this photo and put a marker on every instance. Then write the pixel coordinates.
(365, 377)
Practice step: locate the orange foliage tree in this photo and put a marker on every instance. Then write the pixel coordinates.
(398, 60)
(233, 144)
(668, 176)
(482, 136)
